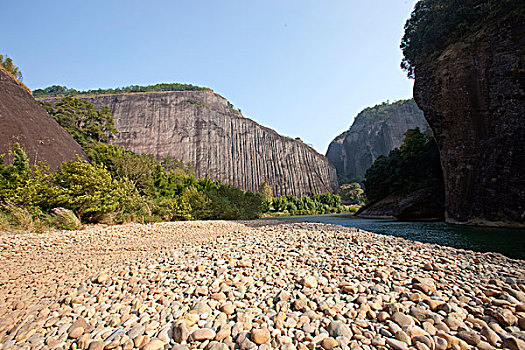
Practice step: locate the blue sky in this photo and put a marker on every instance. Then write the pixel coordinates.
(302, 67)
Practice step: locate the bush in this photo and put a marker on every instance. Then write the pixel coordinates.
(306, 205)
(21, 218)
(9, 66)
(64, 219)
(351, 193)
(91, 192)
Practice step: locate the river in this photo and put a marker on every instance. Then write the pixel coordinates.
(509, 242)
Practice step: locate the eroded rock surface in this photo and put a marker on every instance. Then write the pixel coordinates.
(473, 96)
(24, 121)
(375, 131)
(198, 127)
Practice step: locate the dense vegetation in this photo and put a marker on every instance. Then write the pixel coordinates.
(413, 166)
(352, 193)
(62, 91)
(86, 124)
(436, 23)
(10, 67)
(120, 186)
(306, 205)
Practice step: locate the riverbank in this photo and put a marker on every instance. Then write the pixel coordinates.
(215, 284)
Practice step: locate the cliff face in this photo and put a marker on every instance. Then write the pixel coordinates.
(473, 97)
(24, 121)
(375, 131)
(199, 128)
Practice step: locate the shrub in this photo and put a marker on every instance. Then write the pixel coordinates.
(91, 192)
(21, 218)
(64, 219)
(10, 67)
(351, 193)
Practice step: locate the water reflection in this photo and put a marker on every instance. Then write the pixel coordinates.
(510, 242)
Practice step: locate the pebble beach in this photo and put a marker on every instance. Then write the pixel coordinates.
(253, 285)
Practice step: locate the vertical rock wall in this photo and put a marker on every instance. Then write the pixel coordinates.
(473, 96)
(198, 127)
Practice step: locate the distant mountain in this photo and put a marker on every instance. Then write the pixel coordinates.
(376, 131)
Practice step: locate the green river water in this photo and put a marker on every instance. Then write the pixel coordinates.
(509, 242)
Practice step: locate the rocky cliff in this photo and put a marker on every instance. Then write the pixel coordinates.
(198, 127)
(375, 131)
(473, 96)
(24, 121)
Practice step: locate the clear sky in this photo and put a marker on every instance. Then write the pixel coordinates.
(302, 67)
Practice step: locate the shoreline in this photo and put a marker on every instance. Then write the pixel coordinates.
(296, 285)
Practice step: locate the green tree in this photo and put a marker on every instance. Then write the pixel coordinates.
(25, 186)
(434, 24)
(266, 190)
(8, 64)
(85, 123)
(413, 166)
(56, 90)
(351, 193)
(91, 192)
(126, 165)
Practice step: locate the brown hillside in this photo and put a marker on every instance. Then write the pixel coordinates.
(24, 121)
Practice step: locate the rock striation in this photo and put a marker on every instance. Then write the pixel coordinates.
(473, 97)
(24, 121)
(201, 128)
(376, 131)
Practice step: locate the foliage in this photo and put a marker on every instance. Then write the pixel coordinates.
(25, 186)
(125, 165)
(413, 166)
(91, 192)
(62, 91)
(434, 24)
(351, 193)
(266, 190)
(9, 66)
(80, 118)
(118, 186)
(306, 205)
(381, 111)
(64, 219)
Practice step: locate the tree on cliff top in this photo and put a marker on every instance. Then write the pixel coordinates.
(62, 91)
(436, 23)
(8, 64)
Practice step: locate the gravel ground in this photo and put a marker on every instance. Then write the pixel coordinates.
(226, 285)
